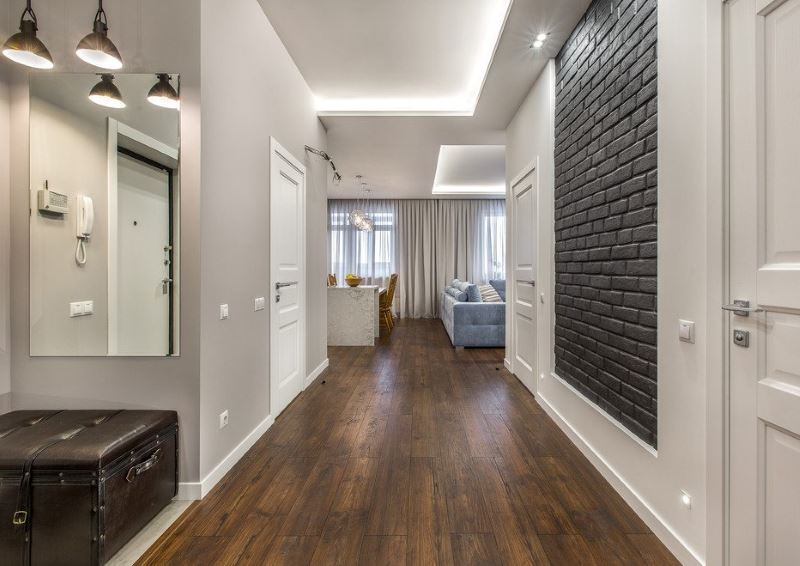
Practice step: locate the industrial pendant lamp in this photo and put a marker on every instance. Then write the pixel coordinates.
(105, 93)
(24, 47)
(96, 49)
(163, 94)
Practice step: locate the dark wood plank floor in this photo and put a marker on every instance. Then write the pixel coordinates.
(412, 453)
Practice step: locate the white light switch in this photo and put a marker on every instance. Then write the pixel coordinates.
(88, 307)
(259, 304)
(223, 312)
(686, 331)
(75, 309)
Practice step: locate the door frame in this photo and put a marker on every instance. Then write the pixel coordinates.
(511, 214)
(276, 149)
(123, 138)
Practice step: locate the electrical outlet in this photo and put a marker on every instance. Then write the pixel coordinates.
(223, 419)
(259, 304)
(223, 312)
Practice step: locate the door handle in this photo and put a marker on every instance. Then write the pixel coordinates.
(532, 283)
(280, 284)
(741, 307)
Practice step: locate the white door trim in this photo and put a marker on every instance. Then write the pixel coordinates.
(277, 148)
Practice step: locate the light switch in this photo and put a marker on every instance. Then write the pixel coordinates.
(259, 304)
(75, 309)
(88, 307)
(223, 312)
(686, 331)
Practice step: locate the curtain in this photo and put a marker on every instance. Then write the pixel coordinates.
(427, 242)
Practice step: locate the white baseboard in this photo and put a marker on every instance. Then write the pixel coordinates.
(198, 490)
(664, 532)
(317, 372)
(507, 363)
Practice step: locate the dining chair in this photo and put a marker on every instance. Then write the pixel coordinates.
(332, 280)
(386, 303)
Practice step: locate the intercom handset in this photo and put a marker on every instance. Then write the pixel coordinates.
(84, 220)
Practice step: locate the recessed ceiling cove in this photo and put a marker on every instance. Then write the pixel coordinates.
(415, 57)
(471, 170)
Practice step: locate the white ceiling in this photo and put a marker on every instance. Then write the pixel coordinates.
(470, 169)
(418, 50)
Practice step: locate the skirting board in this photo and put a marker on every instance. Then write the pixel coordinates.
(507, 363)
(317, 372)
(670, 539)
(198, 490)
(190, 491)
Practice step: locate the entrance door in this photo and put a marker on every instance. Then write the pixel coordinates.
(287, 279)
(763, 84)
(523, 190)
(142, 321)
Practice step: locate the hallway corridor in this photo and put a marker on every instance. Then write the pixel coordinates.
(412, 452)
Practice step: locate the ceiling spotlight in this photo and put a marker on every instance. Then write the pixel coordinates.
(163, 94)
(96, 49)
(24, 47)
(337, 179)
(537, 44)
(541, 37)
(105, 93)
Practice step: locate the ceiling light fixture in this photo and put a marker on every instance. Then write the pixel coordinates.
(163, 94)
(105, 93)
(96, 49)
(539, 41)
(358, 217)
(24, 47)
(541, 37)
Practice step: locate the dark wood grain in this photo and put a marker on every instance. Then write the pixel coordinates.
(414, 453)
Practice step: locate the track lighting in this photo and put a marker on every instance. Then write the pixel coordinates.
(337, 177)
(24, 47)
(96, 49)
(105, 93)
(163, 94)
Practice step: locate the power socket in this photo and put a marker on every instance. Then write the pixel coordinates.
(223, 419)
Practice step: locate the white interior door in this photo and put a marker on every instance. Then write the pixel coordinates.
(523, 306)
(143, 209)
(763, 84)
(287, 277)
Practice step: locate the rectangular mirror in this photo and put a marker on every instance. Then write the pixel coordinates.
(105, 215)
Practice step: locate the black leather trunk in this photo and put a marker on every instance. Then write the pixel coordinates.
(75, 486)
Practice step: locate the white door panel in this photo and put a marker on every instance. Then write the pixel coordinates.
(523, 305)
(763, 85)
(287, 277)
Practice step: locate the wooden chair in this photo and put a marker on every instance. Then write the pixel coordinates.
(332, 280)
(386, 303)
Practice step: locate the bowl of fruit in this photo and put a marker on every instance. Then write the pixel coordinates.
(353, 280)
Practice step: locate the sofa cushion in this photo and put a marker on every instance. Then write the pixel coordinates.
(457, 294)
(499, 286)
(472, 291)
(489, 294)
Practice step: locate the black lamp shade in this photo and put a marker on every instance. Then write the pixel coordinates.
(105, 93)
(163, 94)
(25, 48)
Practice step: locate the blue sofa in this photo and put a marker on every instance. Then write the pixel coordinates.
(470, 322)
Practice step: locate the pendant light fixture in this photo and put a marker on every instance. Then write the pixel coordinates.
(96, 49)
(24, 47)
(163, 94)
(105, 93)
(358, 217)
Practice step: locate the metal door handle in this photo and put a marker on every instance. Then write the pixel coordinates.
(280, 284)
(532, 283)
(741, 307)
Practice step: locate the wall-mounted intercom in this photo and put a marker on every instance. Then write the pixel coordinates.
(52, 201)
(84, 220)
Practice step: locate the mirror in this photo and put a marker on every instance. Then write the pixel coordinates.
(105, 220)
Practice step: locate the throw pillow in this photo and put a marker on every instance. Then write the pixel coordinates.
(499, 286)
(460, 296)
(473, 293)
(489, 294)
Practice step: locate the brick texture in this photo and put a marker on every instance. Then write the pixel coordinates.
(605, 211)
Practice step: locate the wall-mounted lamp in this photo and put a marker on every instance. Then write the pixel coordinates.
(24, 47)
(105, 93)
(337, 178)
(163, 94)
(96, 49)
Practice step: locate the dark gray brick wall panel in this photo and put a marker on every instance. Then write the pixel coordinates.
(605, 211)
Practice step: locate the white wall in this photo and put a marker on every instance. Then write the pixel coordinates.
(149, 39)
(651, 483)
(5, 295)
(246, 100)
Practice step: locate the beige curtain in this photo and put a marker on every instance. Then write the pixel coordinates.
(433, 241)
